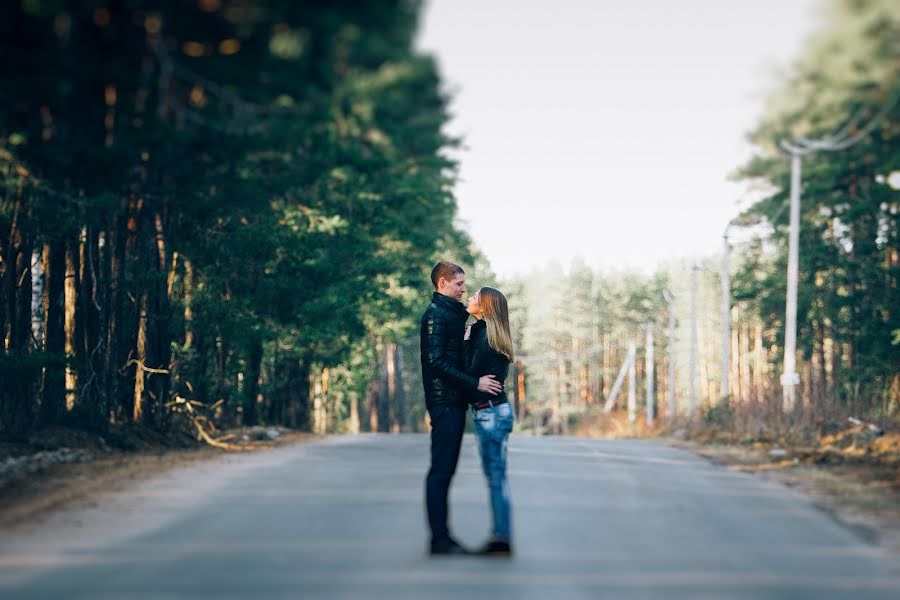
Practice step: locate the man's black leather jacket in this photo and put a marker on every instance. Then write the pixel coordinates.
(441, 336)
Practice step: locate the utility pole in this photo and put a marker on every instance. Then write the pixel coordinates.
(650, 390)
(632, 400)
(670, 299)
(726, 319)
(797, 149)
(789, 377)
(692, 406)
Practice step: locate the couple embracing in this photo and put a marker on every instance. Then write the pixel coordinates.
(464, 369)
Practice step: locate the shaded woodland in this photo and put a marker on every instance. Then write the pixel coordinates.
(234, 203)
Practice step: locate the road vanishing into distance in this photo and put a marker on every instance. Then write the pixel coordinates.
(344, 518)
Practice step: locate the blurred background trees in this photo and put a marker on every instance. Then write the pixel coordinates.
(238, 202)
(849, 312)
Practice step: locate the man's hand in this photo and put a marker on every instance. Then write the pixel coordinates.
(489, 385)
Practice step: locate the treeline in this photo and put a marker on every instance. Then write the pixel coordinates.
(579, 324)
(846, 83)
(232, 202)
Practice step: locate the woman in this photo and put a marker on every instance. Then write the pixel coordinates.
(489, 350)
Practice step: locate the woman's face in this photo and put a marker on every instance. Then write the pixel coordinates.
(474, 307)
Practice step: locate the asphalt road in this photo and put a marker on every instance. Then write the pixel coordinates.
(344, 518)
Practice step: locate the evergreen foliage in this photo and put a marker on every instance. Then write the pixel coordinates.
(216, 200)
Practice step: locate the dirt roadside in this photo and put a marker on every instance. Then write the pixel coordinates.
(37, 485)
(863, 496)
(848, 469)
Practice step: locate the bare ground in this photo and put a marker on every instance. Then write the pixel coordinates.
(63, 469)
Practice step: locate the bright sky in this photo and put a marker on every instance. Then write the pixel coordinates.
(606, 128)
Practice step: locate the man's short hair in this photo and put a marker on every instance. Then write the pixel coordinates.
(447, 270)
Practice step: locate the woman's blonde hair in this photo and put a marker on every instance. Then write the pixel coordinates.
(496, 315)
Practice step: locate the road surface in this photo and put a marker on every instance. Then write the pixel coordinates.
(344, 518)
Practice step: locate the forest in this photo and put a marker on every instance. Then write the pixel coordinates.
(231, 208)
(233, 205)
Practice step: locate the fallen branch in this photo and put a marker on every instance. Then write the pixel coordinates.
(871, 427)
(139, 363)
(186, 407)
(214, 442)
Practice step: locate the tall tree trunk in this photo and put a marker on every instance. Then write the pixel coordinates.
(386, 386)
(53, 397)
(91, 328)
(151, 375)
(745, 361)
(37, 297)
(759, 364)
(139, 408)
(354, 412)
(299, 393)
(21, 325)
(605, 381)
(734, 379)
(160, 355)
(8, 279)
(188, 303)
(320, 404)
(251, 382)
(71, 300)
(398, 391)
(120, 392)
(372, 404)
(18, 375)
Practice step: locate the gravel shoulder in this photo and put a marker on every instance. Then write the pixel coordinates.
(36, 485)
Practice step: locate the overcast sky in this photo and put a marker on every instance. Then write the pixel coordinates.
(603, 128)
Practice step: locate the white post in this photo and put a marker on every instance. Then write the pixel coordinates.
(790, 378)
(726, 319)
(650, 390)
(632, 400)
(670, 298)
(611, 401)
(693, 368)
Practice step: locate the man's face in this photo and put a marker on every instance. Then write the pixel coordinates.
(455, 288)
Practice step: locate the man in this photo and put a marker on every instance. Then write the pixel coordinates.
(445, 381)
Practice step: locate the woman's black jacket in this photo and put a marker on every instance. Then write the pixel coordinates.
(482, 360)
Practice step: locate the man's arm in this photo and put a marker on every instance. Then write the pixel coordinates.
(436, 354)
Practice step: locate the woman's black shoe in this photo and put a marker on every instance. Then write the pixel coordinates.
(496, 548)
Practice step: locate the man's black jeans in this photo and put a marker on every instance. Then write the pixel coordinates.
(448, 421)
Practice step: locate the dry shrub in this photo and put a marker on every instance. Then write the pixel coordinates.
(822, 433)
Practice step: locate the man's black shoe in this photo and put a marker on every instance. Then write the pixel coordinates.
(497, 548)
(448, 547)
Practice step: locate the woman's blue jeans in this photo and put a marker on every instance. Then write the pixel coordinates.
(493, 425)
